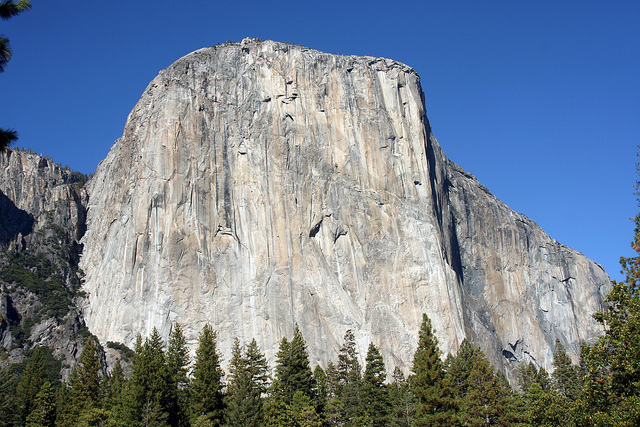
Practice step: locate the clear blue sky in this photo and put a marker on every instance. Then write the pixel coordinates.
(539, 99)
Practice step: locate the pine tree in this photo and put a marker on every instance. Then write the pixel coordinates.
(97, 416)
(544, 407)
(375, 398)
(487, 397)
(206, 397)
(148, 389)
(459, 368)
(237, 387)
(30, 383)
(401, 400)
(277, 413)
(302, 377)
(293, 377)
(115, 385)
(528, 374)
(177, 366)
(349, 373)
(292, 367)
(43, 413)
(322, 390)
(566, 376)
(303, 413)
(435, 403)
(85, 382)
(8, 401)
(66, 411)
(257, 368)
(248, 382)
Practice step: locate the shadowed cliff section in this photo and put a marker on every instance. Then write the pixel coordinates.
(14, 222)
(258, 185)
(42, 218)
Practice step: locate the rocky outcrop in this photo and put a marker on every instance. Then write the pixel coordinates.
(258, 185)
(35, 193)
(42, 218)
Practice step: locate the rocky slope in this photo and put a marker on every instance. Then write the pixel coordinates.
(42, 218)
(258, 185)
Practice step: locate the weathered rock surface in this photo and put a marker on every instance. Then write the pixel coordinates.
(260, 185)
(42, 215)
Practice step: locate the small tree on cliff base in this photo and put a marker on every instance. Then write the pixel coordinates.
(248, 382)
(206, 386)
(435, 404)
(375, 397)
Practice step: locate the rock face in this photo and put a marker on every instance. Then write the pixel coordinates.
(42, 218)
(35, 193)
(258, 185)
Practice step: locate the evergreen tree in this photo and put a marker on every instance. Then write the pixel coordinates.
(303, 413)
(544, 407)
(153, 415)
(277, 413)
(85, 381)
(30, 383)
(114, 394)
(8, 9)
(322, 389)
(349, 375)
(115, 385)
(237, 387)
(293, 378)
(8, 401)
(66, 411)
(334, 413)
(257, 368)
(375, 397)
(248, 382)
(487, 396)
(528, 374)
(292, 367)
(148, 391)
(566, 376)
(401, 400)
(206, 397)
(302, 377)
(97, 416)
(459, 368)
(43, 413)
(435, 404)
(177, 365)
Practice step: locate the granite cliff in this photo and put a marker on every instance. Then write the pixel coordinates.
(42, 218)
(258, 185)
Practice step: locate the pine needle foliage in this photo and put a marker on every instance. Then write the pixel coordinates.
(206, 398)
(435, 403)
